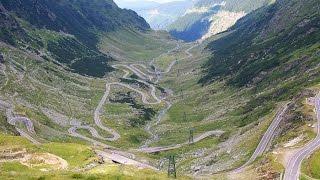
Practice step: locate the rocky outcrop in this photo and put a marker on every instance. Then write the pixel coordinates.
(222, 21)
(209, 17)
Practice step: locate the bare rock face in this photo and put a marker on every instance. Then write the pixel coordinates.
(222, 21)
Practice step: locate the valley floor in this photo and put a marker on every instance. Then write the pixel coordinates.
(150, 107)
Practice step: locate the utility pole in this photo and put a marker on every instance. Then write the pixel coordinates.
(172, 167)
(191, 140)
(181, 93)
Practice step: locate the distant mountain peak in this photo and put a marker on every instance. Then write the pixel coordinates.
(209, 17)
(158, 15)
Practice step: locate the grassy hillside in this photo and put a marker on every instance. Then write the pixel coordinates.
(50, 52)
(311, 166)
(234, 87)
(133, 46)
(267, 59)
(46, 79)
(271, 56)
(82, 18)
(269, 51)
(206, 108)
(266, 39)
(77, 158)
(66, 31)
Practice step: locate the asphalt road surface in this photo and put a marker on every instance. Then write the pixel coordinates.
(292, 171)
(267, 137)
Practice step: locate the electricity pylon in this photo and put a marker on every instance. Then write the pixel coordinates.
(172, 167)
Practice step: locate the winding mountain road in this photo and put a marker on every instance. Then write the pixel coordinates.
(115, 157)
(156, 72)
(292, 171)
(13, 120)
(73, 132)
(149, 126)
(97, 112)
(167, 148)
(168, 52)
(136, 71)
(266, 139)
(144, 98)
(92, 131)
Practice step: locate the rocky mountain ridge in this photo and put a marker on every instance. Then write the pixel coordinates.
(207, 18)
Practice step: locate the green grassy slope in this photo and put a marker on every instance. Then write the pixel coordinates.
(269, 52)
(267, 59)
(271, 56)
(77, 156)
(265, 39)
(134, 46)
(82, 19)
(66, 31)
(42, 82)
(207, 108)
(240, 100)
(311, 166)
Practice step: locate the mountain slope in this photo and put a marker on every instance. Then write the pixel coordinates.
(207, 18)
(80, 18)
(47, 50)
(67, 31)
(267, 39)
(274, 49)
(159, 15)
(269, 58)
(209, 107)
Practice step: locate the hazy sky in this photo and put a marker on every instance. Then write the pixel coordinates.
(159, 1)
